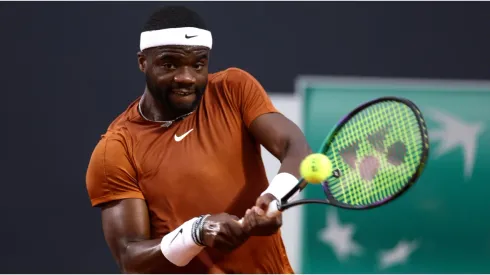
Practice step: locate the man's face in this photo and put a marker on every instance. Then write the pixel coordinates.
(176, 76)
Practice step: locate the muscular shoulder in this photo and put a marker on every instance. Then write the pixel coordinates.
(114, 146)
(242, 91)
(231, 78)
(230, 74)
(111, 172)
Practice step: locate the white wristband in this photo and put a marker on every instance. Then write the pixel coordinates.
(280, 185)
(178, 246)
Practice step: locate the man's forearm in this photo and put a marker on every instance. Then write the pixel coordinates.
(294, 152)
(144, 257)
(176, 249)
(297, 149)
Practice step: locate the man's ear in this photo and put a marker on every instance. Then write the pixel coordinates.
(142, 62)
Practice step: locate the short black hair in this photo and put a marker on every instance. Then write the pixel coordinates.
(174, 17)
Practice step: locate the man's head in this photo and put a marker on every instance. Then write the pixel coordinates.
(175, 45)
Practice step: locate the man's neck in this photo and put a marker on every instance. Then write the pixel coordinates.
(152, 109)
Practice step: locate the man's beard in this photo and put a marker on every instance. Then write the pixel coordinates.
(164, 96)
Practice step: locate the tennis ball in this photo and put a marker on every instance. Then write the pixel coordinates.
(316, 168)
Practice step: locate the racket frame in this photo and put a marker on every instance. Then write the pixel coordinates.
(330, 200)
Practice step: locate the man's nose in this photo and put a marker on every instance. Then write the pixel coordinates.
(185, 76)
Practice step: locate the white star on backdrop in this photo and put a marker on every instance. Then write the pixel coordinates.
(339, 237)
(454, 133)
(397, 255)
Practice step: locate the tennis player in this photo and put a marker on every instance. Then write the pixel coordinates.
(181, 165)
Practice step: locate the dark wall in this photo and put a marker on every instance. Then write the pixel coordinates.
(68, 69)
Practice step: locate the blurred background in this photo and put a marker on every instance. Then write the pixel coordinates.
(68, 69)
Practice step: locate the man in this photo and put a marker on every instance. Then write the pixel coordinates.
(176, 170)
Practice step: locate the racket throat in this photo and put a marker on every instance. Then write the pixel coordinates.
(300, 186)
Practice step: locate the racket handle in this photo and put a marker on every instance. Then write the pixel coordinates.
(272, 210)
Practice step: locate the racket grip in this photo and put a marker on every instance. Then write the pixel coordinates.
(273, 209)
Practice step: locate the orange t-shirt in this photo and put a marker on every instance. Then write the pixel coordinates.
(207, 163)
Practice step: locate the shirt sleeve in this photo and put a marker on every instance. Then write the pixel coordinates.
(111, 174)
(249, 96)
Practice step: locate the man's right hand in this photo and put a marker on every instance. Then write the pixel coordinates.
(223, 232)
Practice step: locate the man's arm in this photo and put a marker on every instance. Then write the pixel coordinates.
(280, 136)
(126, 227)
(112, 185)
(283, 139)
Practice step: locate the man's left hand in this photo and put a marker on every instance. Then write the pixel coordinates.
(257, 223)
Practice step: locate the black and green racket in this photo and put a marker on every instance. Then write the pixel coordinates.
(378, 152)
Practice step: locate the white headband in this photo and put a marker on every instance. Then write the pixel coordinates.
(176, 36)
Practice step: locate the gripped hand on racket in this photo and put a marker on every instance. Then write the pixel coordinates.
(378, 151)
(257, 223)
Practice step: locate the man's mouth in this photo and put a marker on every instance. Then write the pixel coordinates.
(183, 92)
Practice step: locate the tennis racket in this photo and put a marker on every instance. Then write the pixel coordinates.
(378, 152)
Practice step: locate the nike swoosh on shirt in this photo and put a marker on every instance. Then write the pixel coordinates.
(179, 138)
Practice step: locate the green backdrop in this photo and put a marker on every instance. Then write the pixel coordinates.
(442, 224)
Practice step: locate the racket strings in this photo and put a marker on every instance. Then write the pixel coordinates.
(391, 181)
(388, 145)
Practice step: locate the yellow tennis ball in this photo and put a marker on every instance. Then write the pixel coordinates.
(316, 168)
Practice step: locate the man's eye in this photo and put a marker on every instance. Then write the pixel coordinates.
(198, 66)
(169, 66)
